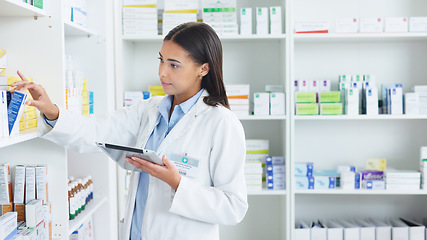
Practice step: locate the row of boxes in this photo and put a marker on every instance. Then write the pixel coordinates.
(365, 25)
(340, 229)
(35, 3)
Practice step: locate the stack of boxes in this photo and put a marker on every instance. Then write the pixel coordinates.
(275, 172)
(360, 94)
(256, 153)
(270, 102)
(262, 20)
(177, 12)
(27, 116)
(423, 167)
(77, 98)
(392, 99)
(221, 16)
(307, 95)
(87, 100)
(304, 175)
(416, 102)
(29, 202)
(402, 180)
(140, 17)
(238, 99)
(76, 11)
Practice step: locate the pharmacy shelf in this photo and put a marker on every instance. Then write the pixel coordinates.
(265, 192)
(362, 117)
(361, 192)
(21, 137)
(17, 8)
(359, 37)
(223, 38)
(73, 29)
(253, 117)
(91, 207)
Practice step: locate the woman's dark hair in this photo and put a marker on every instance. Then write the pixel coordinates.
(204, 46)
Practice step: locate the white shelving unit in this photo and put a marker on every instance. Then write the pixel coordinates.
(29, 34)
(328, 141)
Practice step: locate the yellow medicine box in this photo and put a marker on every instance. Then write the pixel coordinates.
(27, 124)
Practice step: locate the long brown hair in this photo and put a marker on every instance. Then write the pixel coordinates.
(204, 46)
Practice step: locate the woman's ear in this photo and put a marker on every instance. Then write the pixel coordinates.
(204, 69)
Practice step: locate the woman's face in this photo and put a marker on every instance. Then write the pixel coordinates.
(179, 74)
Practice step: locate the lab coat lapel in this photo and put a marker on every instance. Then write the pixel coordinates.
(186, 122)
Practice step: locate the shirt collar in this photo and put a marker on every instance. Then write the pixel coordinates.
(165, 106)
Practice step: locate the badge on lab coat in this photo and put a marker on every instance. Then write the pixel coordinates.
(187, 166)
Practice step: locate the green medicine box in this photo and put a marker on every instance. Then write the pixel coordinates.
(330, 97)
(331, 109)
(38, 3)
(306, 97)
(307, 109)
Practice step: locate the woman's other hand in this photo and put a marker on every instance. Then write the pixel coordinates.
(167, 173)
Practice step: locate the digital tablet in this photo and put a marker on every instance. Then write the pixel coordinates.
(118, 153)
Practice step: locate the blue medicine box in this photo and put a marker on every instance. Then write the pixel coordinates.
(304, 169)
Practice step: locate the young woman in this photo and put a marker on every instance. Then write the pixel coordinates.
(201, 142)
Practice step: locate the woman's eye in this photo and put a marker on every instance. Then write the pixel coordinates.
(174, 66)
(161, 60)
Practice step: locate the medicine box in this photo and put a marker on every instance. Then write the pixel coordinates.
(371, 25)
(275, 20)
(330, 97)
(257, 146)
(373, 184)
(416, 24)
(307, 109)
(324, 182)
(371, 99)
(304, 169)
(277, 103)
(262, 104)
(34, 213)
(8, 225)
(347, 25)
(351, 106)
(324, 85)
(275, 160)
(304, 182)
(331, 109)
(42, 184)
(246, 21)
(378, 164)
(368, 77)
(19, 184)
(371, 175)
(357, 78)
(345, 78)
(316, 26)
(396, 25)
(261, 21)
(30, 183)
(313, 86)
(305, 97)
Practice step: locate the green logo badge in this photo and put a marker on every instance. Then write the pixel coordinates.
(185, 160)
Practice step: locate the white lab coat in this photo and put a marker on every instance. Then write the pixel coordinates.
(212, 135)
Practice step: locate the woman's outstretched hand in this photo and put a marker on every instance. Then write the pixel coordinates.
(40, 98)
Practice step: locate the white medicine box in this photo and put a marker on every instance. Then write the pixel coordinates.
(246, 21)
(261, 103)
(275, 20)
(371, 25)
(262, 21)
(396, 25)
(418, 24)
(347, 25)
(277, 103)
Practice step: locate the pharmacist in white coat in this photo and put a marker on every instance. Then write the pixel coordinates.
(191, 125)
